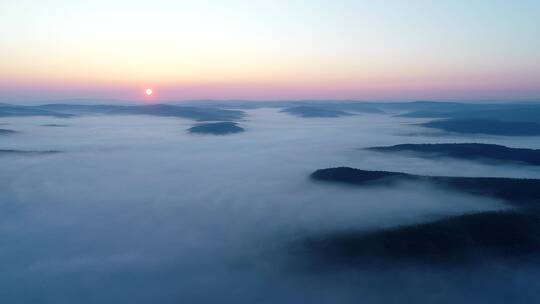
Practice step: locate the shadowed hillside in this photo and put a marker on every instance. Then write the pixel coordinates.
(454, 240)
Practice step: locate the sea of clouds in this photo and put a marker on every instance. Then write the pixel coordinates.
(137, 210)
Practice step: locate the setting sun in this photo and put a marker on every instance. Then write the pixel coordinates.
(149, 92)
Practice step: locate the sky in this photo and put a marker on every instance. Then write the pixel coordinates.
(269, 50)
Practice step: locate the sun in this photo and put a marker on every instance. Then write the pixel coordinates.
(149, 92)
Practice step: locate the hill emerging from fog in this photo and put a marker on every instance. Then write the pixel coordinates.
(513, 190)
(27, 152)
(475, 151)
(456, 240)
(7, 132)
(502, 111)
(485, 126)
(217, 128)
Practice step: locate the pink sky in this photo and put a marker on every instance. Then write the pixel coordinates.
(364, 50)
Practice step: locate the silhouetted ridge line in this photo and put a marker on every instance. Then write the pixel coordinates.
(514, 190)
(485, 126)
(474, 151)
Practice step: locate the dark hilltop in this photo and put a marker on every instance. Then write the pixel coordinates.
(216, 128)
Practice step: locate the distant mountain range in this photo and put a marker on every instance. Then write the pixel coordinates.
(217, 109)
(67, 110)
(504, 111)
(330, 110)
(11, 110)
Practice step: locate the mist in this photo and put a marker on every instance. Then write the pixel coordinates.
(136, 209)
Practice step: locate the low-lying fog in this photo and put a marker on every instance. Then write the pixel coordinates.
(137, 210)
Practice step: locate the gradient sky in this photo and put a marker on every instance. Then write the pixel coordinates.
(366, 50)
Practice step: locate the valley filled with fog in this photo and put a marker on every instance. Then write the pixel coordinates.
(135, 208)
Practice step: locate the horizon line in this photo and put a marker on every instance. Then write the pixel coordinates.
(169, 101)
